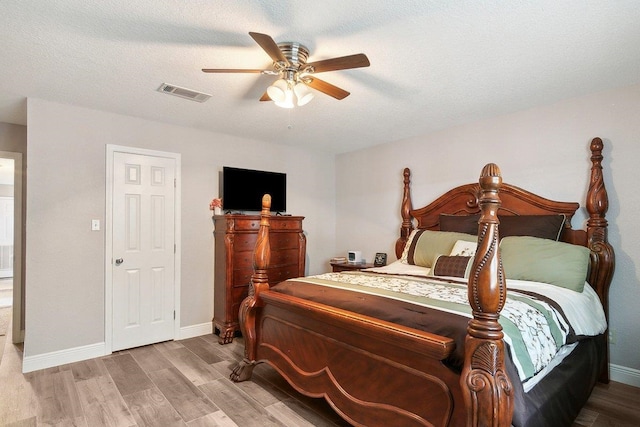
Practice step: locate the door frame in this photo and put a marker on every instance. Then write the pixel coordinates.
(111, 149)
(17, 329)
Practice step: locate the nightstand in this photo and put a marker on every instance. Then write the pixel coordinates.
(345, 266)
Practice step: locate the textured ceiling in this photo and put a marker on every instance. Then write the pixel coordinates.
(434, 64)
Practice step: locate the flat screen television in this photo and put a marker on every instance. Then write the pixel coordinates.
(242, 189)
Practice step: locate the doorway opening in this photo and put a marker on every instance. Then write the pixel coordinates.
(11, 274)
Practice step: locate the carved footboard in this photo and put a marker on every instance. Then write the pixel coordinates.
(372, 372)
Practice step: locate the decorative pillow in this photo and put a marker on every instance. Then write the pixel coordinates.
(542, 226)
(460, 223)
(426, 244)
(405, 251)
(464, 248)
(543, 260)
(453, 266)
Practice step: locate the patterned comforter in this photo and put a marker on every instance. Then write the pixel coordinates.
(538, 319)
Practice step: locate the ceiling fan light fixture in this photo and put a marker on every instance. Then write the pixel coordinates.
(290, 64)
(278, 91)
(303, 93)
(288, 99)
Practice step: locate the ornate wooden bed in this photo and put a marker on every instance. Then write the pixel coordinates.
(378, 373)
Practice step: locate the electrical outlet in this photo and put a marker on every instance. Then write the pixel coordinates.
(613, 334)
(95, 225)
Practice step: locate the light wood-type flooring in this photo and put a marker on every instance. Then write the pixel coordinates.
(185, 383)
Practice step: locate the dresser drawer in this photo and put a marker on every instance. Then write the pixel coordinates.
(242, 277)
(251, 223)
(286, 223)
(283, 257)
(277, 275)
(284, 241)
(237, 223)
(242, 260)
(244, 242)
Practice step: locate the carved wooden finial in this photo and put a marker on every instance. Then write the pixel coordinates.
(597, 198)
(262, 251)
(602, 254)
(405, 213)
(486, 387)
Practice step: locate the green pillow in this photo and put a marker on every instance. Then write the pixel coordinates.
(427, 245)
(546, 261)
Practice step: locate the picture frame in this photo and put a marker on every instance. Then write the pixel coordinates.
(380, 259)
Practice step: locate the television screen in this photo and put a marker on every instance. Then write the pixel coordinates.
(242, 189)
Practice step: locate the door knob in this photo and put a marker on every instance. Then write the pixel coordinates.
(119, 261)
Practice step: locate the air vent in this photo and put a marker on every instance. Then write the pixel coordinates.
(183, 92)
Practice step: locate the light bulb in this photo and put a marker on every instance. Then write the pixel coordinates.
(288, 99)
(277, 91)
(303, 93)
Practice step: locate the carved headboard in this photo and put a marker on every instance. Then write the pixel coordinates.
(463, 200)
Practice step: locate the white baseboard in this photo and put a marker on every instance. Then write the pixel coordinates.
(62, 357)
(77, 354)
(624, 375)
(195, 330)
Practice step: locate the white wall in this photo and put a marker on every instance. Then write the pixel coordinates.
(66, 189)
(544, 150)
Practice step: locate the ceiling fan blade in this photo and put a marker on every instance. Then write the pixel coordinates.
(269, 46)
(326, 88)
(265, 97)
(230, 70)
(344, 62)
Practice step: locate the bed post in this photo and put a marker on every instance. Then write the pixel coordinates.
(405, 212)
(602, 256)
(484, 381)
(259, 281)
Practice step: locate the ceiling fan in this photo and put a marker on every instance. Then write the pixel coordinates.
(295, 74)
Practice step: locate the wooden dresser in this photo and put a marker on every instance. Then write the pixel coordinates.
(235, 238)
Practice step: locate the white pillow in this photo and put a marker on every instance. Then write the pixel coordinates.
(464, 248)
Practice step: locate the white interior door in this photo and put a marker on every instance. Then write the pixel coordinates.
(143, 249)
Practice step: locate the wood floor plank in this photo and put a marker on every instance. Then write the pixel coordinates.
(102, 403)
(260, 390)
(217, 419)
(238, 406)
(206, 350)
(301, 417)
(616, 405)
(29, 422)
(165, 346)
(586, 418)
(126, 373)
(18, 401)
(151, 408)
(150, 358)
(59, 402)
(88, 369)
(191, 366)
(232, 351)
(186, 398)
